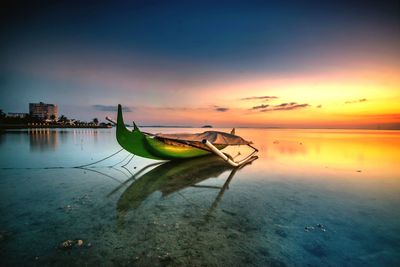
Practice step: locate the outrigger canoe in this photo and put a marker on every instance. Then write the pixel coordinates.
(177, 146)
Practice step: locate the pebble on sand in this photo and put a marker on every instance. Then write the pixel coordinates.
(319, 226)
(68, 244)
(65, 245)
(308, 228)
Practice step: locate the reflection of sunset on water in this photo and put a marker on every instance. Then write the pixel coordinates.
(346, 180)
(372, 153)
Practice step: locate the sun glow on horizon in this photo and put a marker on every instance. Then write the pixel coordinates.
(350, 99)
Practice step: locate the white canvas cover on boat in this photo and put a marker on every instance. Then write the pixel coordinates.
(214, 137)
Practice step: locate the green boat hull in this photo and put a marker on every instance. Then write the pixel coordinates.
(147, 146)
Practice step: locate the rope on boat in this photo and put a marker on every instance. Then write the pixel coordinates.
(74, 167)
(119, 162)
(133, 155)
(86, 165)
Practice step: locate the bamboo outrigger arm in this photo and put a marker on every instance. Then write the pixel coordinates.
(218, 152)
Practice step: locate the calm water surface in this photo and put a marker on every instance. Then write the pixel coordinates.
(313, 198)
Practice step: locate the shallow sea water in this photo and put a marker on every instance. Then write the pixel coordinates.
(312, 198)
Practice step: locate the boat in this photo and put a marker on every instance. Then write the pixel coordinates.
(178, 146)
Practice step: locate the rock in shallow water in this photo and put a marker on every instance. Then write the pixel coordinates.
(308, 228)
(66, 245)
(69, 244)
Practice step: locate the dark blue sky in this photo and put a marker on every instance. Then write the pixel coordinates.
(209, 32)
(47, 43)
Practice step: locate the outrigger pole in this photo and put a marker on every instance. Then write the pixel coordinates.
(218, 152)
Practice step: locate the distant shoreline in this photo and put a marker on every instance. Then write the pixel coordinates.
(163, 126)
(18, 126)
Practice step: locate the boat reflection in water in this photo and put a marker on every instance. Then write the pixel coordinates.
(174, 176)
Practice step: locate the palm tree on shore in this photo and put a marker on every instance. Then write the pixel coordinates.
(63, 118)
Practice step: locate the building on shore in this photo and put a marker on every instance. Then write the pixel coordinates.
(43, 111)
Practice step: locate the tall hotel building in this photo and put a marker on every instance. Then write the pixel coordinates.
(43, 111)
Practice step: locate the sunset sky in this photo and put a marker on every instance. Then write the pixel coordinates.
(328, 64)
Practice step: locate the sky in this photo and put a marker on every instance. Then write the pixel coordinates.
(295, 64)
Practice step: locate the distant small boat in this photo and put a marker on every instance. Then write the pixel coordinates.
(178, 146)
